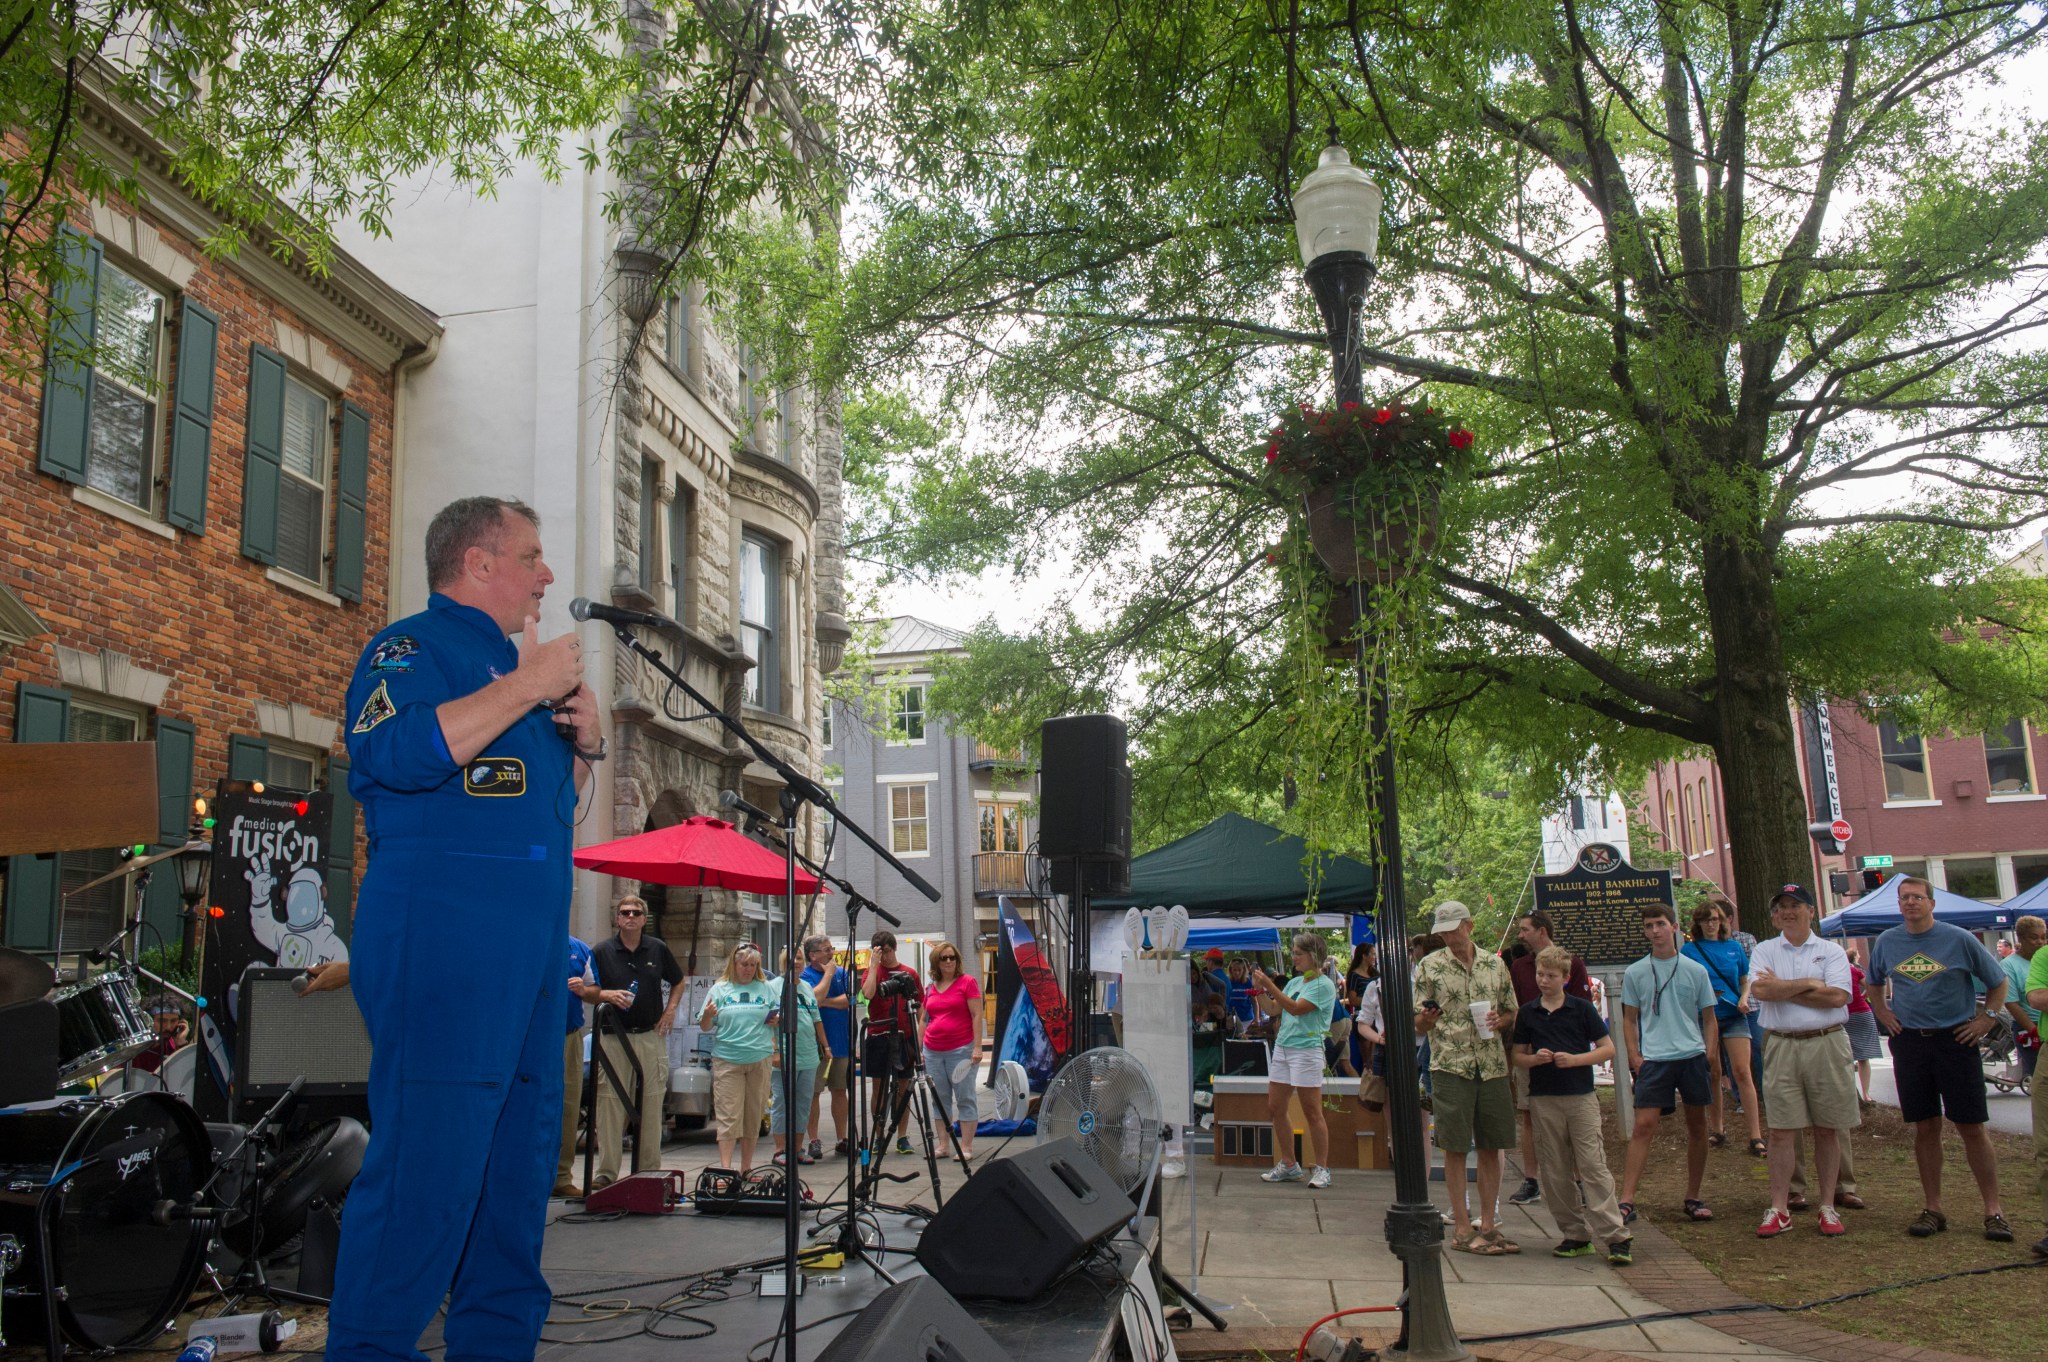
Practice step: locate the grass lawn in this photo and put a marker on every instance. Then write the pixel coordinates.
(1997, 1315)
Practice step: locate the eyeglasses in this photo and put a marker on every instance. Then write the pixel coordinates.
(632, 912)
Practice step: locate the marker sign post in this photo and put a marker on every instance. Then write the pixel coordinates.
(1597, 908)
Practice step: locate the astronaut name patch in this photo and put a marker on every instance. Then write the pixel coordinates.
(399, 653)
(495, 777)
(376, 710)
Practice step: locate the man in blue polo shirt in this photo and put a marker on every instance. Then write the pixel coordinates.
(833, 989)
(1935, 1020)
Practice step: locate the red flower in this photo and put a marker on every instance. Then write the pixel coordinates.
(1272, 451)
(1461, 438)
(1349, 406)
(1272, 557)
(1382, 416)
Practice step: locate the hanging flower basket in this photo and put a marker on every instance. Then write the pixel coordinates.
(1370, 479)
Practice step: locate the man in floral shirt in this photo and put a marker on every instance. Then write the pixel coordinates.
(1468, 1069)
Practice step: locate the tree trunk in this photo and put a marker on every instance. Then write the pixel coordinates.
(1755, 738)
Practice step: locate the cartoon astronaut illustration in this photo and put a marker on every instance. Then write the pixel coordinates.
(304, 935)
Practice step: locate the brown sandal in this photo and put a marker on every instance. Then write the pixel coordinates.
(1500, 1242)
(1463, 1241)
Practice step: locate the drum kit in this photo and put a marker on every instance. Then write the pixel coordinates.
(113, 1191)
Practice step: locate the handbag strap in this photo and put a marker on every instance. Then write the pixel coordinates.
(1707, 958)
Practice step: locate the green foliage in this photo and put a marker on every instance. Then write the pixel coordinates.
(1742, 301)
(163, 962)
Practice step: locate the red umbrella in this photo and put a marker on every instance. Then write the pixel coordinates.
(697, 852)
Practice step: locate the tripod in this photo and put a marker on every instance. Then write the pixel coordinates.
(251, 1278)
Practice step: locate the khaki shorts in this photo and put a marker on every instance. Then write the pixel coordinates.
(835, 1074)
(1471, 1110)
(739, 1097)
(1810, 1081)
(1518, 1085)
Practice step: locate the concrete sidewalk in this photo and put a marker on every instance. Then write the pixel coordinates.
(1286, 1255)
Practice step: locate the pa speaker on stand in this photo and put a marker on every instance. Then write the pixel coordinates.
(1084, 833)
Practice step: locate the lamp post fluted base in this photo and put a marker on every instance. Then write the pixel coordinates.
(1415, 1233)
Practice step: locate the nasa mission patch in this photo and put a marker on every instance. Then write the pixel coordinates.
(376, 710)
(495, 777)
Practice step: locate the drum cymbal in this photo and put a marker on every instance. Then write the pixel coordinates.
(125, 869)
(23, 978)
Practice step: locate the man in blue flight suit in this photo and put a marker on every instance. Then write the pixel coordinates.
(465, 784)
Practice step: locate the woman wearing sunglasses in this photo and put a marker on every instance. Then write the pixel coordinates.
(952, 1042)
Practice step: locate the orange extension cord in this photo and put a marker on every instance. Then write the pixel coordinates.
(1301, 1348)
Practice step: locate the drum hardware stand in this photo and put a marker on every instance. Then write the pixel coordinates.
(10, 1260)
(251, 1278)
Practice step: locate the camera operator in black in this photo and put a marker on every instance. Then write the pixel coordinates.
(891, 1050)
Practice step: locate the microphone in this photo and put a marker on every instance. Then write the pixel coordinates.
(731, 800)
(583, 608)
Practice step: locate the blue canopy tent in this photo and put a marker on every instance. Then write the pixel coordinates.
(1233, 938)
(2034, 901)
(1879, 909)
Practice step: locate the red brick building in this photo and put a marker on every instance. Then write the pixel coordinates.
(196, 499)
(1967, 811)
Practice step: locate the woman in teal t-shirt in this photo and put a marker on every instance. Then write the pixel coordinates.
(742, 1006)
(1296, 1068)
(810, 1044)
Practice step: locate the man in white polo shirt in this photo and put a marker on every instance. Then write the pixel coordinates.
(1802, 983)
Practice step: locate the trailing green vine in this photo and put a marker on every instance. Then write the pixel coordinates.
(1361, 485)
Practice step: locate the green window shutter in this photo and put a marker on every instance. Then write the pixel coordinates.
(264, 463)
(67, 378)
(248, 758)
(352, 516)
(341, 849)
(175, 744)
(162, 901)
(192, 417)
(40, 715)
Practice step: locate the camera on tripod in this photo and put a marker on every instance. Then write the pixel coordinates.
(898, 986)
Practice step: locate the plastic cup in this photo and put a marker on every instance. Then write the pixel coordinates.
(1479, 1014)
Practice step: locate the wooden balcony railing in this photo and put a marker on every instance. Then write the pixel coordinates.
(1005, 872)
(983, 752)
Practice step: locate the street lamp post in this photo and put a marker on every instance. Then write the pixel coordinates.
(1337, 223)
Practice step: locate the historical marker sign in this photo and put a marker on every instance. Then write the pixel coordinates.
(1598, 904)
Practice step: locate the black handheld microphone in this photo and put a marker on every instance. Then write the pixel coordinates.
(583, 608)
(731, 799)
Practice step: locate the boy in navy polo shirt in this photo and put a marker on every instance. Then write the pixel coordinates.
(1559, 1040)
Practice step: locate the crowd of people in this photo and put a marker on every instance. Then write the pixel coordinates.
(933, 1025)
(1782, 1030)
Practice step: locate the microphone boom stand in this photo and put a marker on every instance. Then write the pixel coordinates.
(798, 789)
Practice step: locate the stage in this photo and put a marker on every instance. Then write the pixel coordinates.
(642, 1287)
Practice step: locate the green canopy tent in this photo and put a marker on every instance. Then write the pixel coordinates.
(1241, 868)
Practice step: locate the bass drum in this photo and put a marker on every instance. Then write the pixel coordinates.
(94, 1171)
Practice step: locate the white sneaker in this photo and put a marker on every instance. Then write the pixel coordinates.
(1283, 1172)
(1319, 1178)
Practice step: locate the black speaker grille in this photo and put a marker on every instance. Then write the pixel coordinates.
(916, 1320)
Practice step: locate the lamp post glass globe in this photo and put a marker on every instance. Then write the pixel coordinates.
(1337, 208)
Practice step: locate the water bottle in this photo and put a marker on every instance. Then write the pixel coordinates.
(199, 1349)
(633, 991)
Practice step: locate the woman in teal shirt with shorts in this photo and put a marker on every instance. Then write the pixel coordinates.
(1296, 1068)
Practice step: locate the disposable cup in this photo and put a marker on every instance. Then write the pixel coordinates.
(1479, 1013)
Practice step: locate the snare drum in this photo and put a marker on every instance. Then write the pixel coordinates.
(178, 1075)
(100, 1024)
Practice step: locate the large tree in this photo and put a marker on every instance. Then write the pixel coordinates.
(1742, 297)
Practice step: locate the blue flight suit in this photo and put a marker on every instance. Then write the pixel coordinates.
(457, 965)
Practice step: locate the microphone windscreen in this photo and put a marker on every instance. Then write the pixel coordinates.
(579, 609)
(729, 798)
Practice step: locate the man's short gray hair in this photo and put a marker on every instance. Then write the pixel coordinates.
(473, 522)
(812, 943)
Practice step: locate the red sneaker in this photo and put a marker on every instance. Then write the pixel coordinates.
(1831, 1221)
(1775, 1223)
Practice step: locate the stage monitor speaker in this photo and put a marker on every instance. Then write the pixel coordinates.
(915, 1320)
(284, 1036)
(1047, 1207)
(1084, 788)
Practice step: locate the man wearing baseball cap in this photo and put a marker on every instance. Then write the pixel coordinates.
(1459, 988)
(1802, 985)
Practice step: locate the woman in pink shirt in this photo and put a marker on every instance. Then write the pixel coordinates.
(952, 1043)
(1864, 1045)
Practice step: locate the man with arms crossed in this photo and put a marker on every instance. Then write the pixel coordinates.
(1667, 1022)
(457, 963)
(1802, 984)
(1935, 1021)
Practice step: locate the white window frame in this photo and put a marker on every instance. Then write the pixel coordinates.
(899, 714)
(325, 521)
(678, 346)
(905, 823)
(153, 460)
(1906, 800)
(291, 751)
(768, 671)
(124, 890)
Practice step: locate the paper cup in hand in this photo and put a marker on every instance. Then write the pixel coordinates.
(1480, 1012)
